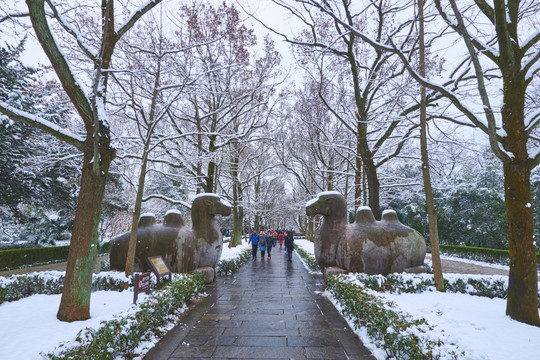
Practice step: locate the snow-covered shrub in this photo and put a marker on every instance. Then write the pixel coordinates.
(229, 267)
(17, 287)
(309, 260)
(492, 286)
(400, 335)
(124, 336)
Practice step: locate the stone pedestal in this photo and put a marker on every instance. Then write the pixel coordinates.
(208, 272)
(332, 270)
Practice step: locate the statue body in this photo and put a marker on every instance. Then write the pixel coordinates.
(367, 245)
(185, 249)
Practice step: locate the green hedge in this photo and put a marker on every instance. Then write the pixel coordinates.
(493, 256)
(397, 333)
(15, 258)
(17, 287)
(229, 267)
(309, 260)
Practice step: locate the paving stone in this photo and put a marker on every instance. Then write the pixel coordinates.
(208, 340)
(194, 351)
(216, 317)
(312, 341)
(207, 331)
(316, 332)
(327, 352)
(308, 324)
(218, 324)
(264, 324)
(241, 331)
(243, 352)
(262, 341)
(264, 317)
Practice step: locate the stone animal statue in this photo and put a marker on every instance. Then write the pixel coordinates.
(367, 245)
(337, 243)
(185, 249)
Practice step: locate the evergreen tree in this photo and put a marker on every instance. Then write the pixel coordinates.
(37, 185)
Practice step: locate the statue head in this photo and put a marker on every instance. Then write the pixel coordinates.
(208, 204)
(327, 204)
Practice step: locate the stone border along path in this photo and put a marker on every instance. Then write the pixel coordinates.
(270, 309)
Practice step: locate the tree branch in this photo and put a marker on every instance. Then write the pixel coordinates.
(42, 124)
(136, 16)
(56, 57)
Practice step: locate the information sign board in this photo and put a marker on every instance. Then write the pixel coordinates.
(142, 284)
(159, 268)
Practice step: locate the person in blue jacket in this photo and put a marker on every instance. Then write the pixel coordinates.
(263, 243)
(254, 240)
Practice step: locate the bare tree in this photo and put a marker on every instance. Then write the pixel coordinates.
(504, 56)
(96, 146)
(147, 62)
(372, 112)
(426, 174)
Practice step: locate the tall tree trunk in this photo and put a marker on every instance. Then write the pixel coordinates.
(75, 302)
(257, 223)
(522, 302)
(238, 211)
(430, 204)
(130, 261)
(374, 188)
(238, 220)
(358, 181)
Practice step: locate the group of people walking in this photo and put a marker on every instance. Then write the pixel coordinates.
(266, 240)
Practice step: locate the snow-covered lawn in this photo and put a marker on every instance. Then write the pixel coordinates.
(29, 326)
(229, 254)
(477, 324)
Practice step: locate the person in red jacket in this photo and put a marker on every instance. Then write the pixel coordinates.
(281, 238)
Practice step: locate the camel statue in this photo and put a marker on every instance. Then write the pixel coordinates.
(367, 245)
(185, 249)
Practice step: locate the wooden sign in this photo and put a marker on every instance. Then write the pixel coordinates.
(159, 268)
(142, 284)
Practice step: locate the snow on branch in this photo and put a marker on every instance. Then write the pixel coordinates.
(484, 48)
(136, 16)
(15, 15)
(42, 124)
(73, 32)
(167, 199)
(532, 65)
(59, 61)
(532, 121)
(531, 40)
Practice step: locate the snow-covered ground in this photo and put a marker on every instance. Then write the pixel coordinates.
(477, 324)
(29, 326)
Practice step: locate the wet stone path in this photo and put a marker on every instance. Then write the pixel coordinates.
(271, 309)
